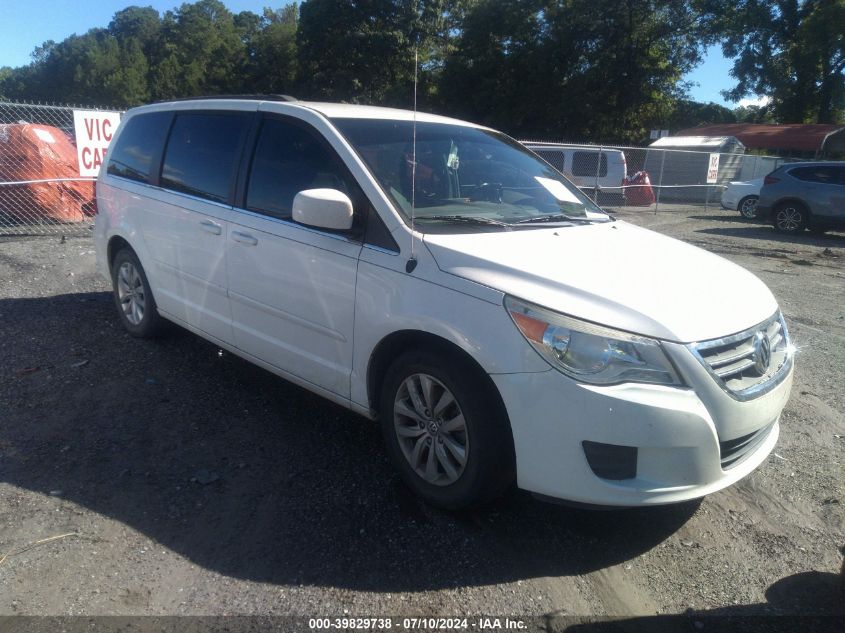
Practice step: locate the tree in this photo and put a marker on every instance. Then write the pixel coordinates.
(200, 51)
(573, 69)
(790, 50)
(364, 51)
(271, 46)
(689, 113)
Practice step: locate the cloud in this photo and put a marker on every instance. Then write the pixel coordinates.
(756, 102)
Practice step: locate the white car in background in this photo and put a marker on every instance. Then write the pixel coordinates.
(742, 197)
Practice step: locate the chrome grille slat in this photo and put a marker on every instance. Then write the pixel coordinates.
(735, 361)
(730, 356)
(734, 368)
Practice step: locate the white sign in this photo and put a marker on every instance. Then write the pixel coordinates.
(94, 130)
(713, 169)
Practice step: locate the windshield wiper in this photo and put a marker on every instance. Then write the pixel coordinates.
(464, 219)
(561, 217)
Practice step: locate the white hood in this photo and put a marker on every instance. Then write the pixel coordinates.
(615, 274)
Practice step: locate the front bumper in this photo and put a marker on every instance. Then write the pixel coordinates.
(677, 433)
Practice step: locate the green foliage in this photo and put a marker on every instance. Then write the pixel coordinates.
(602, 70)
(790, 50)
(689, 114)
(580, 70)
(363, 51)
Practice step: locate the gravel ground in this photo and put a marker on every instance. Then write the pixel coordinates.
(183, 480)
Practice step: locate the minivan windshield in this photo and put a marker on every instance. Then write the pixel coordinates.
(465, 176)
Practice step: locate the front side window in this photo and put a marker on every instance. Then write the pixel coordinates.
(290, 158)
(203, 152)
(464, 175)
(138, 145)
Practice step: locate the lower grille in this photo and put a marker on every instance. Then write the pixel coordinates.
(733, 452)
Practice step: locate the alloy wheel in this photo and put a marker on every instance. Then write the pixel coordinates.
(789, 219)
(748, 208)
(130, 292)
(431, 429)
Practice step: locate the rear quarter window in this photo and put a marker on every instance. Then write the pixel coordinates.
(138, 144)
(821, 174)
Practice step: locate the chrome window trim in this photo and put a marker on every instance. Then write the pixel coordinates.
(762, 388)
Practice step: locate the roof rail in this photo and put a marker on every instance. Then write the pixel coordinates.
(252, 97)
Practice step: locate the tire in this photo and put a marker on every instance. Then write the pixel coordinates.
(747, 207)
(133, 297)
(454, 447)
(790, 218)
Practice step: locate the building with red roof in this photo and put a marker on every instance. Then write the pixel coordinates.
(801, 140)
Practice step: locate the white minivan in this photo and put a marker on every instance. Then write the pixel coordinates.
(439, 277)
(599, 172)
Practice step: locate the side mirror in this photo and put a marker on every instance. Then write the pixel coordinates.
(323, 208)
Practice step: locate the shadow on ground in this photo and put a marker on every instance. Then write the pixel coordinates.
(247, 475)
(761, 232)
(819, 595)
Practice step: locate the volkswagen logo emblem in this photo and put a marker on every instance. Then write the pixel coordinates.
(762, 354)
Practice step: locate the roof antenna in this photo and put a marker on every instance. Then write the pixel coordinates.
(411, 264)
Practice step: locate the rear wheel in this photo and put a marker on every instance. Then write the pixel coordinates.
(790, 218)
(446, 434)
(133, 297)
(748, 207)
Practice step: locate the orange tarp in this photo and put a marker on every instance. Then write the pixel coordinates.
(41, 152)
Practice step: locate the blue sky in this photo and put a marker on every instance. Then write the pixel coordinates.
(26, 25)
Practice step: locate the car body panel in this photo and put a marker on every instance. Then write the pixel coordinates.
(615, 274)
(737, 191)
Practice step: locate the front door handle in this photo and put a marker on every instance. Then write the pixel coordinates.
(211, 227)
(244, 238)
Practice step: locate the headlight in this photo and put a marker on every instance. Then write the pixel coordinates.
(591, 353)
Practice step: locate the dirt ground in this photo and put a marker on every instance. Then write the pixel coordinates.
(182, 480)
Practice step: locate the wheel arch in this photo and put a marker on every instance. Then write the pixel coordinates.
(746, 197)
(396, 343)
(791, 199)
(116, 243)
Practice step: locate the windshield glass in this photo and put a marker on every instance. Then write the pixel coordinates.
(465, 175)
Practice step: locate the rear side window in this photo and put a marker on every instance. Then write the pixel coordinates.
(290, 158)
(822, 174)
(589, 164)
(553, 158)
(138, 145)
(203, 152)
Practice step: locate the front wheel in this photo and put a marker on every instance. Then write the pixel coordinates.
(748, 207)
(790, 218)
(445, 432)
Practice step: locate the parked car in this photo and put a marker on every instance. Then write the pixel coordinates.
(742, 197)
(802, 196)
(598, 172)
(437, 276)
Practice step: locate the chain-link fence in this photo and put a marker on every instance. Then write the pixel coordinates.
(41, 190)
(653, 178)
